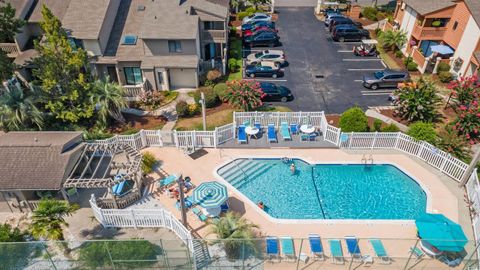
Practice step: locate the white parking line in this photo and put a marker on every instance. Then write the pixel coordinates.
(345, 51)
(384, 65)
(376, 92)
(361, 59)
(255, 50)
(364, 69)
(265, 80)
(358, 80)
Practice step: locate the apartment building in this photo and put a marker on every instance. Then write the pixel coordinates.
(141, 44)
(455, 24)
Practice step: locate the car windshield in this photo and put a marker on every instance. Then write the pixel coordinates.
(259, 54)
(378, 74)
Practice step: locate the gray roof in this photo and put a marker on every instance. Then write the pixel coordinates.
(58, 8)
(85, 17)
(474, 7)
(424, 7)
(37, 160)
(174, 61)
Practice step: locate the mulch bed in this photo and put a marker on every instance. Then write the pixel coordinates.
(333, 120)
(389, 113)
(139, 122)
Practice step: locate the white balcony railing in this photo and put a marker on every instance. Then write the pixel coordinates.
(10, 48)
(133, 91)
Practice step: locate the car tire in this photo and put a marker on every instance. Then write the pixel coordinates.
(251, 75)
(277, 63)
(374, 86)
(341, 39)
(274, 76)
(284, 99)
(364, 38)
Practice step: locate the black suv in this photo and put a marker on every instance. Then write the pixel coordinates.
(339, 20)
(349, 32)
(275, 93)
(262, 39)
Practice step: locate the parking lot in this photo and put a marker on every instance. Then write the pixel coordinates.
(322, 74)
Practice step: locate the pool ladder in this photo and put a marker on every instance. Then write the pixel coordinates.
(366, 160)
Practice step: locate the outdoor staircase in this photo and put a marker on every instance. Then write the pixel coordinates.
(238, 172)
(201, 254)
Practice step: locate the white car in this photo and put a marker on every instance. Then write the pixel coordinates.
(329, 18)
(257, 17)
(275, 56)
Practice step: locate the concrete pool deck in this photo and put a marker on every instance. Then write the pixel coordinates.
(445, 196)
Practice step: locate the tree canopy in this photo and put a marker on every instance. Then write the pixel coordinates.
(9, 25)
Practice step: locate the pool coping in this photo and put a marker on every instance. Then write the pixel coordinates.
(322, 221)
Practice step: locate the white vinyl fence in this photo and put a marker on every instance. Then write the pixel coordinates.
(141, 218)
(266, 118)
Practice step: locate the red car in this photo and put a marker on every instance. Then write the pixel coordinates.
(247, 33)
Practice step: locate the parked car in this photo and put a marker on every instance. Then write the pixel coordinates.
(262, 39)
(275, 93)
(385, 78)
(276, 56)
(349, 32)
(257, 17)
(263, 69)
(250, 26)
(247, 33)
(338, 20)
(331, 16)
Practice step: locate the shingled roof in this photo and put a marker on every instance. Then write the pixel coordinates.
(424, 7)
(474, 7)
(37, 160)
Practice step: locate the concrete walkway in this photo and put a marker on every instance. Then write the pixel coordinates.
(373, 112)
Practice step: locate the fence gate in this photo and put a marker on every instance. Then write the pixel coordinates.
(168, 138)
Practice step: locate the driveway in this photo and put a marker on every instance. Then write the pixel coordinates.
(322, 74)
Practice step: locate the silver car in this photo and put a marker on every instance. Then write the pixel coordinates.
(385, 78)
(330, 16)
(276, 56)
(257, 17)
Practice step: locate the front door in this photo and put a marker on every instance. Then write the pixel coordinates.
(112, 73)
(159, 79)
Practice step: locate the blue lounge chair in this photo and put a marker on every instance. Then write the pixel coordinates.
(312, 136)
(271, 134)
(380, 251)
(188, 203)
(336, 251)
(294, 128)
(287, 248)
(272, 247)
(165, 182)
(285, 131)
(353, 248)
(224, 207)
(259, 127)
(316, 246)
(242, 135)
(417, 252)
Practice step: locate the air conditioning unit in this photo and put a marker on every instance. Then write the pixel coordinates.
(403, 6)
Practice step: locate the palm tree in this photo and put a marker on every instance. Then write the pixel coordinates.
(235, 233)
(49, 217)
(109, 99)
(392, 39)
(18, 110)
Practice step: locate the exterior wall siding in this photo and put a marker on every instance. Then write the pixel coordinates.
(108, 24)
(407, 24)
(461, 15)
(92, 46)
(467, 45)
(155, 47)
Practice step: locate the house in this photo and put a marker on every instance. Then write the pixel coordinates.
(141, 44)
(164, 45)
(35, 162)
(453, 23)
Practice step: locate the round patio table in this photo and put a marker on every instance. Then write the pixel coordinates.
(307, 129)
(252, 131)
(212, 212)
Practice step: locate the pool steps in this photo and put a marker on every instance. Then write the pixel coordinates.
(239, 171)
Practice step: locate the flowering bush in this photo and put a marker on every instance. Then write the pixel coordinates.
(245, 95)
(450, 142)
(417, 101)
(466, 91)
(151, 100)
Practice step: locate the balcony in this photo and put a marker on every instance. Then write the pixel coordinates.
(133, 92)
(213, 35)
(10, 48)
(428, 33)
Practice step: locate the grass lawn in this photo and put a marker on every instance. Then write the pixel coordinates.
(169, 97)
(219, 118)
(236, 53)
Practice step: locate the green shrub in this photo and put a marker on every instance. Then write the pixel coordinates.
(211, 98)
(391, 128)
(148, 162)
(445, 76)
(251, 10)
(412, 66)
(378, 32)
(436, 23)
(370, 13)
(182, 108)
(96, 134)
(442, 66)
(233, 32)
(233, 65)
(220, 89)
(353, 120)
(423, 131)
(377, 124)
(407, 60)
(214, 75)
(241, 15)
(398, 54)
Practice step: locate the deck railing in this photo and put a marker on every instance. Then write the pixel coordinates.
(10, 48)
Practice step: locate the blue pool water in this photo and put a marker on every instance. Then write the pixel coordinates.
(327, 191)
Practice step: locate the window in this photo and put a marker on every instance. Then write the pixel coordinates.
(133, 75)
(75, 43)
(129, 40)
(174, 46)
(455, 25)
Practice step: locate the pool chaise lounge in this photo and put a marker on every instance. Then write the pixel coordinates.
(288, 250)
(284, 130)
(336, 251)
(316, 246)
(271, 133)
(271, 244)
(165, 182)
(353, 248)
(380, 251)
(242, 134)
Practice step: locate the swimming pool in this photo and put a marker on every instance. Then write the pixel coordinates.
(327, 191)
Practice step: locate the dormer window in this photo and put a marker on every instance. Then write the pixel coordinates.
(129, 40)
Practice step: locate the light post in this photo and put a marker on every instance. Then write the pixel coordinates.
(204, 117)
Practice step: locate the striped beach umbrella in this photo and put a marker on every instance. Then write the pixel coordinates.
(210, 194)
